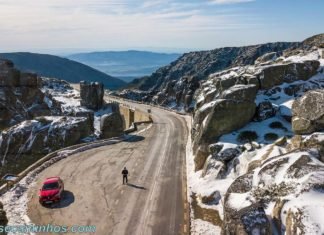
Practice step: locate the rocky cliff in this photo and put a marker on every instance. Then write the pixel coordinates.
(39, 115)
(27, 141)
(258, 144)
(20, 95)
(226, 101)
(308, 113)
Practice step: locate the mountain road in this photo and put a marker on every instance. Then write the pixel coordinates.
(153, 201)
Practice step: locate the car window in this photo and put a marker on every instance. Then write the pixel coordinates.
(50, 186)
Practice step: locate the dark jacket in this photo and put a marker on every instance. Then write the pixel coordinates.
(125, 172)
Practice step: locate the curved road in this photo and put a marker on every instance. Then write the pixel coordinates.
(152, 203)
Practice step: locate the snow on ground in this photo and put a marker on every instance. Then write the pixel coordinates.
(315, 55)
(239, 200)
(197, 226)
(261, 128)
(208, 184)
(201, 227)
(97, 116)
(63, 93)
(312, 205)
(197, 184)
(70, 99)
(16, 199)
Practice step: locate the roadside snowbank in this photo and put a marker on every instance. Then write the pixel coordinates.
(16, 199)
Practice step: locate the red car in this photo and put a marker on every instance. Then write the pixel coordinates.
(51, 191)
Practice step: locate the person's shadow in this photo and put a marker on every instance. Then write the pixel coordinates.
(136, 186)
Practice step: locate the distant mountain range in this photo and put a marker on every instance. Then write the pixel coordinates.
(201, 64)
(126, 65)
(174, 85)
(62, 68)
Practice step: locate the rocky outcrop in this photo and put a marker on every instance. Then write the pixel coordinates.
(264, 111)
(242, 216)
(132, 94)
(279, 74)
(9, 76)
(213, 198)
(250, 220)
(274, 181)
(225, 102)
(268, 57)
(308, 113)
(181, 93)
(41, 136)
(313, 141)
(314, 41)
(216, 168)
(91, 95)
(201, 155)
(231, 111)
(294, 224)
(20, 95)
(276, 214)
(220, 153)
(308, 45)
(112, 125)
(277, 179)
(219, 162)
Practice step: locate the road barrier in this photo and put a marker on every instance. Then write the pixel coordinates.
(118, 99)
(86, 146)
(73, 149)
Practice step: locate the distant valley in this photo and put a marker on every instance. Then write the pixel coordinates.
(125, 65)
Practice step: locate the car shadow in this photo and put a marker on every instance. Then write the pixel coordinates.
(134, 138)
(67, 200)
(136, 186)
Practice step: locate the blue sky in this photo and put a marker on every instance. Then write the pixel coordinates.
(63, 26)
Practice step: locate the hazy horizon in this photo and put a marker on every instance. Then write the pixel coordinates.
(71, 51)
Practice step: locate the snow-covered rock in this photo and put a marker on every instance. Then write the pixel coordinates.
(277, 186)
(264, 111)
(268, 57)
(67, 101)
(62, 97)
(308, 113)
(111, 125)
(278, 74)
(41, 136)
(232, 110)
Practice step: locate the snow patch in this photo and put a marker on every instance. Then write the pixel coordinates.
(201, 227)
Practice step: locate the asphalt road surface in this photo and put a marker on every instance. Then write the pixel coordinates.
(152, 203)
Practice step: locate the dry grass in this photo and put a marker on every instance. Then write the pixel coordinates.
(209, 215)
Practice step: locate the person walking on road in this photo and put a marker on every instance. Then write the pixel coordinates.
(125, 174)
